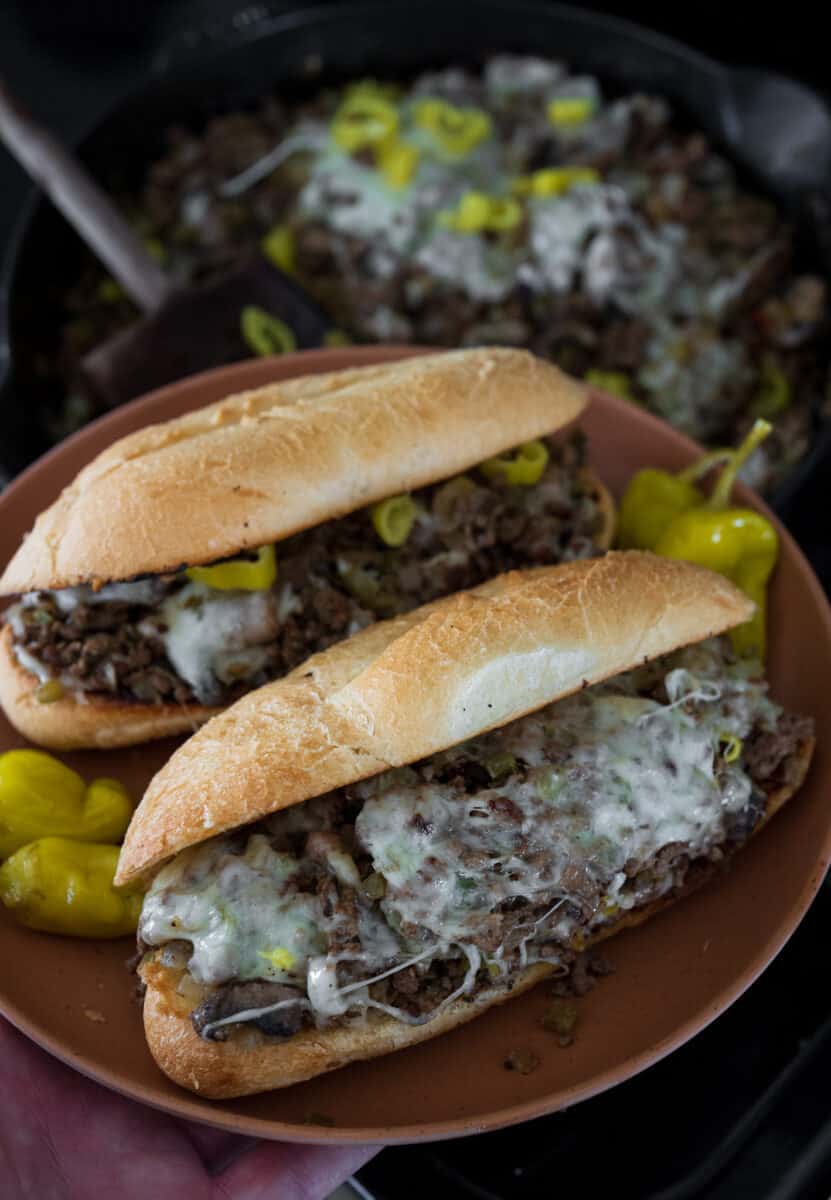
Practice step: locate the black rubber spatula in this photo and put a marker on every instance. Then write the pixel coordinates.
(183, 329)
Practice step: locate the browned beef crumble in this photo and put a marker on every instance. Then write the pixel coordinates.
(772, 758)
(344, 578)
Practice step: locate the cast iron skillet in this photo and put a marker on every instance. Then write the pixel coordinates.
(777, 130)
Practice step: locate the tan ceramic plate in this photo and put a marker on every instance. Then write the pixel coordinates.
(671, 978)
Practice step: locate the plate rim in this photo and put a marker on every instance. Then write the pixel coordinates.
(185, 1106)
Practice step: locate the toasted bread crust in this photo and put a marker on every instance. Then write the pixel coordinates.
(406, 688)
(257, 467)
(249, 1061)
(98, 723)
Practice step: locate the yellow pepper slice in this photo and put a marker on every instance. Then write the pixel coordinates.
(457, 131)
(239, 574)
(265, 333)
(278, 247)
(568, 111)
(280, 958)
(733, 746)
(40, 796)
(397, 161)
(365, 118)
(554, 181)
(394, 519)
(59, 885)
(479, 213)
(336, 337)
(616, 382)
(524, 468)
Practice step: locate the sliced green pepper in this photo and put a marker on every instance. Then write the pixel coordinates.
(59, 885)
(40, 796)
(525, 468)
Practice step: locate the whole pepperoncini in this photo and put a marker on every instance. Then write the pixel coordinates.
(670, 515)
(59, 885)
(40, 796)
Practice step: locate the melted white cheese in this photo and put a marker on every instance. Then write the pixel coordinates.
(234, 909)
(208, 631)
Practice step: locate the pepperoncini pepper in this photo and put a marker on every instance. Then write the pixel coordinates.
(40, 796)
(366, 118)
(264, 333)
(524, 468)
(240, 574)
(278, 247)
(393, 519)
(568, 111)
(479, 213)
(59, 885)
(668, 514)
(554, 181)
(457, 131)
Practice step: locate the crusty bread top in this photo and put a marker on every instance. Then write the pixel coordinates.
(406, 688)
(259, 466)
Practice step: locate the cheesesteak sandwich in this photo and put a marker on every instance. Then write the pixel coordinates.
(153, 594)
(435, 814)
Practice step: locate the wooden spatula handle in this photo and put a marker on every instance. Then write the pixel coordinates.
(86, 207)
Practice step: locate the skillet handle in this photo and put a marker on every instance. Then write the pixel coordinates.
(771, 120)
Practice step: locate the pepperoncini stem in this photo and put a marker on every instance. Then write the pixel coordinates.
(239, 574)
(704, 464)
(393, 519)
(525, 468)
(721, 492)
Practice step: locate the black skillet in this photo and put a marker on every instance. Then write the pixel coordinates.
(779, 131)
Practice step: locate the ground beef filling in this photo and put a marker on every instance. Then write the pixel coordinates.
(341, 578)
(772, 760)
